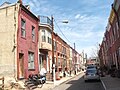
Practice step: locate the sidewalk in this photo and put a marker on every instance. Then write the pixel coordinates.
(49, 84)
(110, 83)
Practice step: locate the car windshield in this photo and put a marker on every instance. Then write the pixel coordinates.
(91, 71)
(91, 66)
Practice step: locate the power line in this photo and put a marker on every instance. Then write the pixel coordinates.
(62, 32)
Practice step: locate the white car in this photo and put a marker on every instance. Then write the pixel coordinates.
(91, 74)
(91, 66)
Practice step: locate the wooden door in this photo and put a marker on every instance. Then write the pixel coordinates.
(21, 65)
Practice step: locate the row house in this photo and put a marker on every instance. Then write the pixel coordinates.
(70, 59)
(67, 58)
(109, 52)
(102, 55)
(18, 40)
(61, 52)
(26, 44)
(45, 48)
(78, 62)
(64, 55)
(45, 45)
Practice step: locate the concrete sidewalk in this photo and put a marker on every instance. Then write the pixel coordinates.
(110, 83)
(49, 85)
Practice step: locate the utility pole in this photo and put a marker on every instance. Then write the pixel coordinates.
(74, 57)
(53, 61)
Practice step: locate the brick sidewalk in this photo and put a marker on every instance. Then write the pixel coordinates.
(111, 83)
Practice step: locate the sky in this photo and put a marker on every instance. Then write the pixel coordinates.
(87, 20)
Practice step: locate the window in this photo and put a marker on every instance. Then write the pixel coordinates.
(117, 28)
(43, 36)
(30, 60)
(33, 33)
(114, 34)
(63, 50)
(23, 32)
(55, 45)
(49, 38)
(58, 61)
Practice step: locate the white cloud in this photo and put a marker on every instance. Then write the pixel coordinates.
(84, 27)
(81, 17)
(31, 4)
(77, 16)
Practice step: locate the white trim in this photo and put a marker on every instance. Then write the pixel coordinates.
(47, 63)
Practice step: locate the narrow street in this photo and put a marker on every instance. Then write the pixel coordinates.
(78, 83)
(52, 44)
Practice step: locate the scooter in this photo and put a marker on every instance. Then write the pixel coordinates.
(35, 81)
(42, 79)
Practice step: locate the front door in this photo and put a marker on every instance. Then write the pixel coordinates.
(40, 62)
(21, 65)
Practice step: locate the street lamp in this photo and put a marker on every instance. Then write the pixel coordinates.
(53, 61)
(65, 21)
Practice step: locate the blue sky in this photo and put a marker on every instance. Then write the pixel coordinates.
(87, 20)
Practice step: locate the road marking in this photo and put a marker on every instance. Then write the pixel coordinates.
(103, 85)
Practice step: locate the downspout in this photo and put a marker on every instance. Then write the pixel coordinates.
(14, 47)
(38, 41)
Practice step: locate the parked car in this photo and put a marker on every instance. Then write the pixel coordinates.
(91, 74)
(91, 66)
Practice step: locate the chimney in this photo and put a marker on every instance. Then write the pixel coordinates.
(39, 17)
(20, 1)
(27, 6)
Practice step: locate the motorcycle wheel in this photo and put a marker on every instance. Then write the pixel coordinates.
(40, 85)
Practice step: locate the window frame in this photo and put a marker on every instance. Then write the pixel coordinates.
(23, 28)
(33, 33)
(31, 60)
(43, 36)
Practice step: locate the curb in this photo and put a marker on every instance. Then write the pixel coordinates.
(68, 79)
(103, 84)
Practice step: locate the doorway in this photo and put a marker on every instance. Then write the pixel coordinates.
(21, 65)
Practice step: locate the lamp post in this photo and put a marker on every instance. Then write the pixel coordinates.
(53, 60)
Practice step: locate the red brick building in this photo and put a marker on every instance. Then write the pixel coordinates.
(109, 52)
(19, 29)
(61, 53)
(27, 45)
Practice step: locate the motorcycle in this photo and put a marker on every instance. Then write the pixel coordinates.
(35, 81)
(42, 79)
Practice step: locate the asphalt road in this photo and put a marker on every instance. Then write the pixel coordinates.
(78, 83)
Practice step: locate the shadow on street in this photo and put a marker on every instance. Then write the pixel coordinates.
(80, 84)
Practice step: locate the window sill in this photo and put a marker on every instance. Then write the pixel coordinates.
(31, 69)
(23, 37)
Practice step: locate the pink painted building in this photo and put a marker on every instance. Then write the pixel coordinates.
(27, 50)
(19, 41)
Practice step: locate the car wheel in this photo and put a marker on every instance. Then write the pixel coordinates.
(98, 80)
(85, 80)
